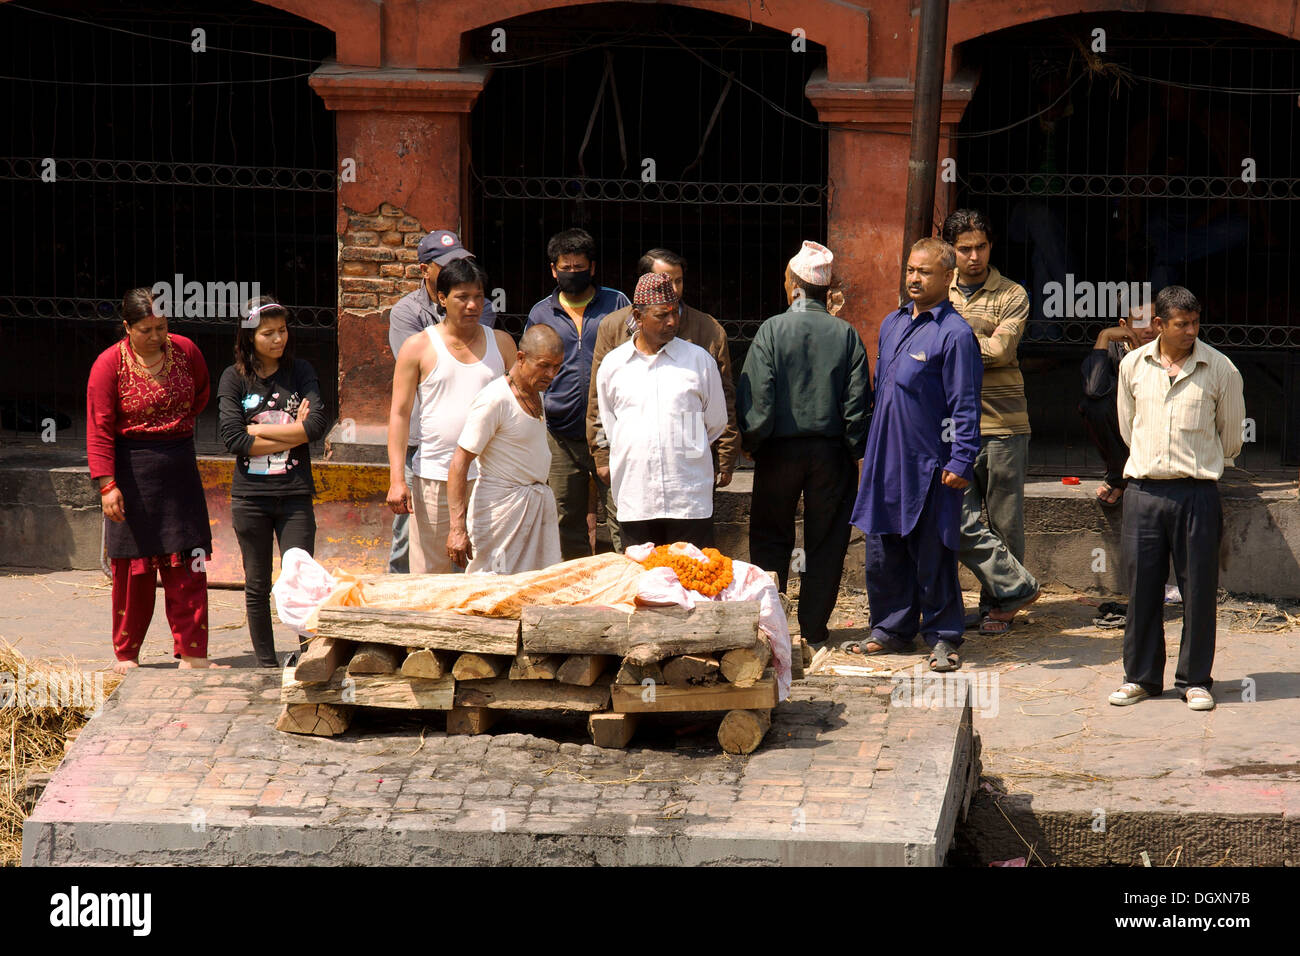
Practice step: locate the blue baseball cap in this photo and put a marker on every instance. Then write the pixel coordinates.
(441, 247)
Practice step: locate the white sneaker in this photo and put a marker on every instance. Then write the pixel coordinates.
(1198, 698)
(1128, 694)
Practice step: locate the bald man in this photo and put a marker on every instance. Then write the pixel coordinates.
(510, 523)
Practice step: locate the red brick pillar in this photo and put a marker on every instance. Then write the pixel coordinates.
(401, 141)
(868, 187)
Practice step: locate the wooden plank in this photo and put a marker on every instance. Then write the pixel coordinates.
(692, 670)
(422, 662)
(744, 665)
(478, 666)
(470, 720)
(379, 690)
(611, 730)
(535, 666)
(319, 720)
(630, 672)
(627, 699)
(710, 626)
(583, 669)
(377, 659)
(741, 731)
(800, 657)
(504, 694)
(323, 656)
(436, 630)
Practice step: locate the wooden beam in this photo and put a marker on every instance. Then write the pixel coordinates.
(535, 666)
(377, 659)
(582, 669)
(627, 699)
(800, 656)
(744, 665)
(633, 673)
(502, 694)
(437, 630)
(323, 656)
(691, 670)
(319, 720)
(710, 626)
(380, 690)
(741, 731)
(422, 662)
(611, 730)
(478, 666)
(470, 720)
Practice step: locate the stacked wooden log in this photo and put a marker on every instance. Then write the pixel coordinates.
(613, 666)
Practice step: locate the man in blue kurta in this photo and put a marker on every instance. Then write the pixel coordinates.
(920, 454)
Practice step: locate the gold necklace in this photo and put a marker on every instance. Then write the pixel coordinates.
(147, 366)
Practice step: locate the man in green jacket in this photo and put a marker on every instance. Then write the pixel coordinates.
(803, 414)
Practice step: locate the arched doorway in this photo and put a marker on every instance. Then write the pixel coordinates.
(562, 133)
(131, 156)
(1132, 148)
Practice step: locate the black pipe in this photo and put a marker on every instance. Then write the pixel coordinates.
(923, 164)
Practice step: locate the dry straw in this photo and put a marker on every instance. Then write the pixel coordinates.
(32, 739)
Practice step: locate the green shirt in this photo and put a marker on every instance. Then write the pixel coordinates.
(806, 375)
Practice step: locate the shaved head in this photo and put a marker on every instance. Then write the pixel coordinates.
(539, 341)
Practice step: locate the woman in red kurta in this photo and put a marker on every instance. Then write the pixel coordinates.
(143, 396)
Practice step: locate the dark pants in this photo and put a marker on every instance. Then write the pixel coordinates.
(823, 472)
(912, 583)
(1183, 519)
(696, 531)
(572, 472)
(257, 521)
(1101, 422)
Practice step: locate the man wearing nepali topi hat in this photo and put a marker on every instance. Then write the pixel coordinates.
(662, 406)
(802, 408)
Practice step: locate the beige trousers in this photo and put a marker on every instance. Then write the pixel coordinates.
(430, 525)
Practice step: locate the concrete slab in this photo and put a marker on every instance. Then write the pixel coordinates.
(187, 768)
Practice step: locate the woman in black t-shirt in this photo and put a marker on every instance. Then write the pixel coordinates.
(270, 409)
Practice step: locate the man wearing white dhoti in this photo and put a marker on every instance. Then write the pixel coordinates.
(509, 523)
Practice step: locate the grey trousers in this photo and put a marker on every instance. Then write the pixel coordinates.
(993, 552)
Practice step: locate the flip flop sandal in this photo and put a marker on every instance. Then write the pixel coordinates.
(885, 645)
(1104, 501)
(992, 626)
(1110, 621)
(951, 659)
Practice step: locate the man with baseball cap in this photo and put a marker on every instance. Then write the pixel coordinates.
(662, 406)
(802, 408)
(413, 313)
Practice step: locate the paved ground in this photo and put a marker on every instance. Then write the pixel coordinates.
(1066, 776)
(1084, 781)
(186, 768)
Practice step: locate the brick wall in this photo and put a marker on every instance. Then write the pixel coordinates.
(377, 264)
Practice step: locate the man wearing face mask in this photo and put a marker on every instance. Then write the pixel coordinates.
(574, 311)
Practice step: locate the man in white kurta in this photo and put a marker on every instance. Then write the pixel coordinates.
(662, 407)
(510, 523)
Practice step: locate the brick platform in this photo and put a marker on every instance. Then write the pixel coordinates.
(186, 768)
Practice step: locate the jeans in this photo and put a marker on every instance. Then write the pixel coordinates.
(399, 561)
(258, 522)
(994, 553)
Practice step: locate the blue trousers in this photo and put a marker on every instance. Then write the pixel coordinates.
(912, 584)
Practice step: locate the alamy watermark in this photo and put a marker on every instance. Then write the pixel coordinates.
(52, 688)
(923, 688)
(179, 299)
(1093, 300)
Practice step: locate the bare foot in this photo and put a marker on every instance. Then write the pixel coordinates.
(121, 667)
(199, 663)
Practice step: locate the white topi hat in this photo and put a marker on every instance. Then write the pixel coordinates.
(813, 263)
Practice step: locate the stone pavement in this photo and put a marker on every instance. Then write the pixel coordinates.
(1070, 778)
(187, 768)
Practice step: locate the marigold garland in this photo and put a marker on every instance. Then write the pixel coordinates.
(709, 577)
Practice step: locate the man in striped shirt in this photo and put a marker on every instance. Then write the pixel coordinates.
(1182, 413)
(996, 309)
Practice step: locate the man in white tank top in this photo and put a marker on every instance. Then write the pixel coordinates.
(446, 365)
